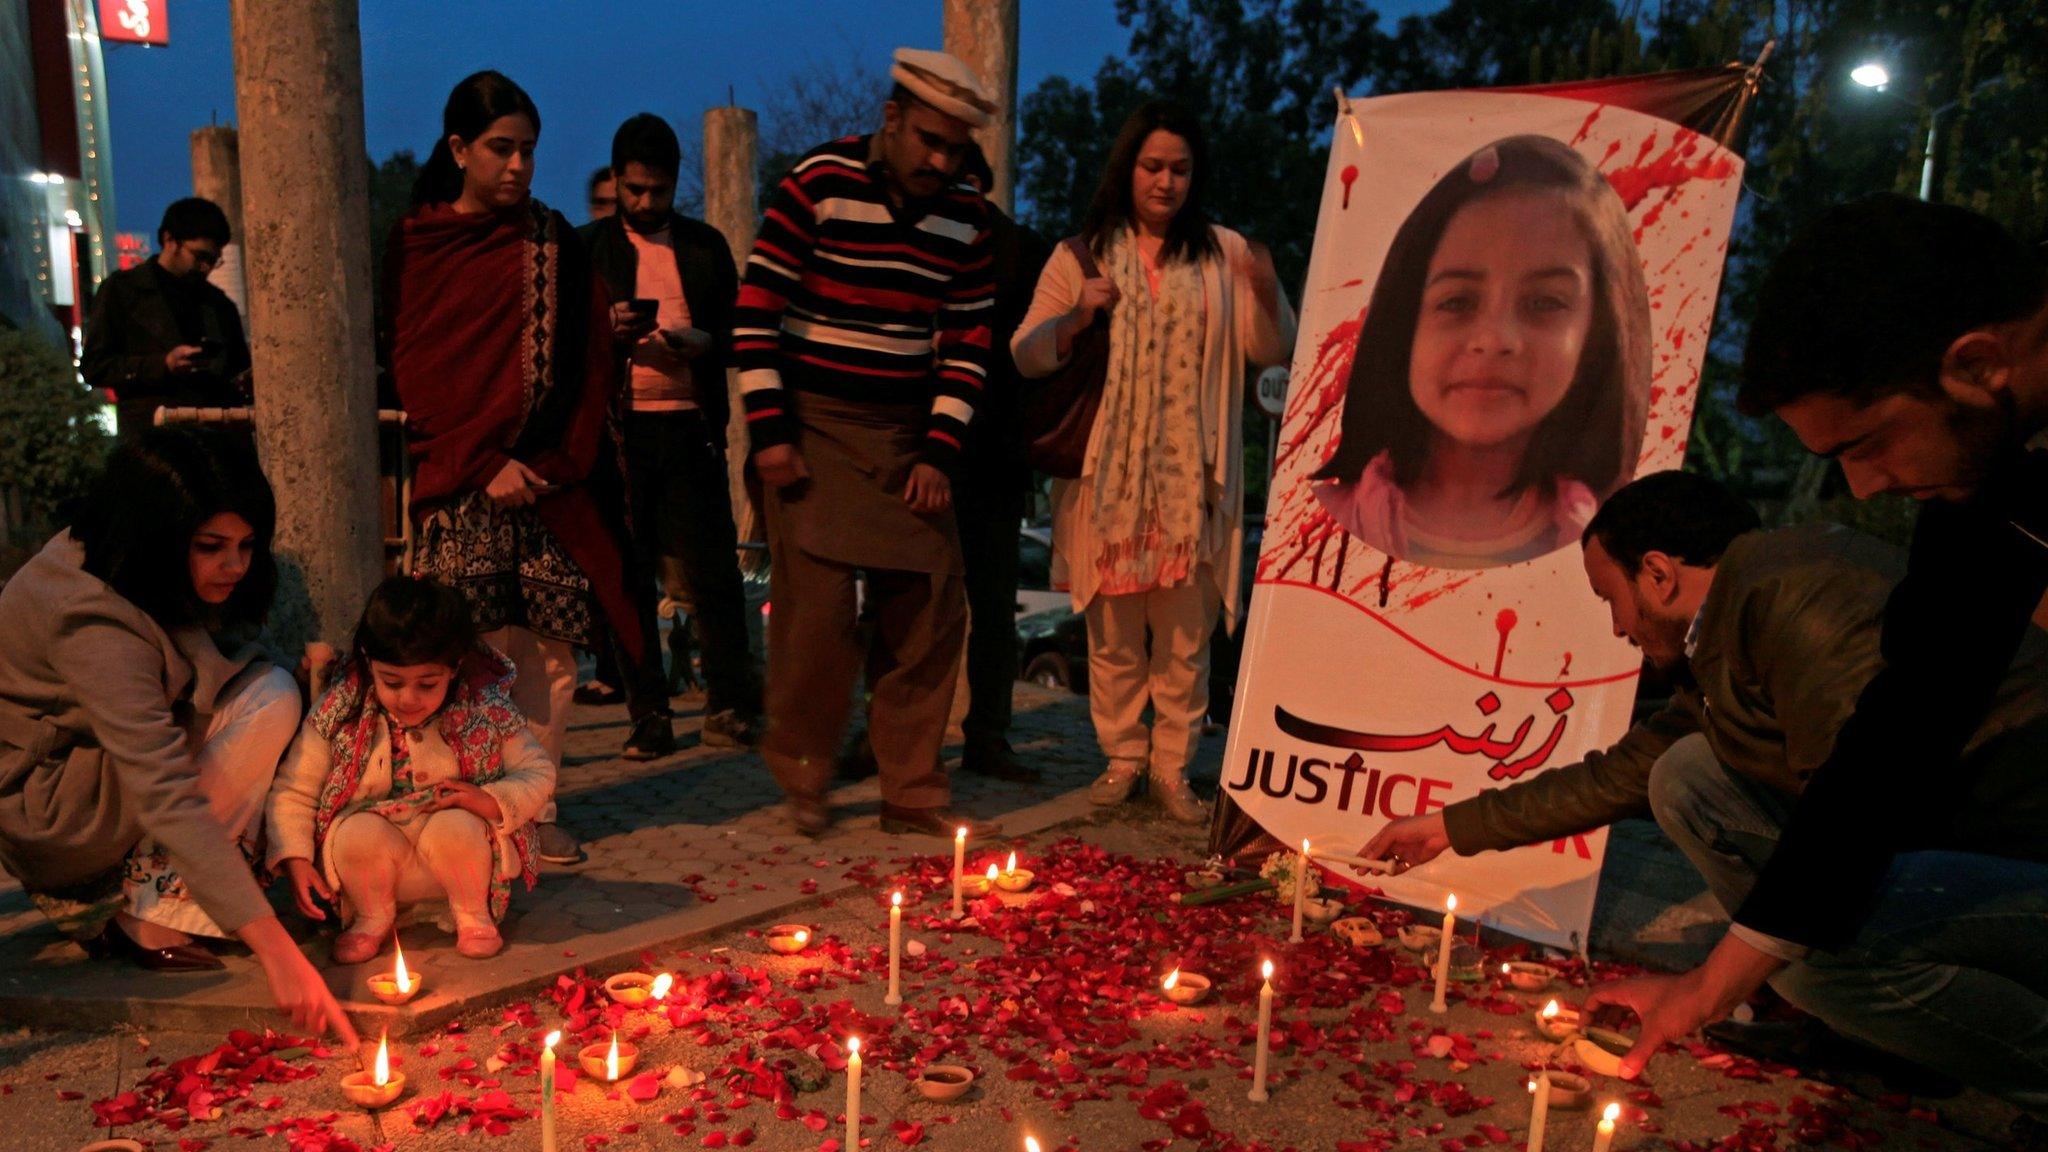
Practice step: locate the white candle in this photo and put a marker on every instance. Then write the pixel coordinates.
(547, 1091)
(853, 1094)
(1603, 1136)
(959, 871)
(1300, 890)
(895, 995)
(1443, 954)
(1258, 1092)
(1539, 1110)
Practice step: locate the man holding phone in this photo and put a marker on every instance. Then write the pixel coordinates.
(159, 336)
(672, 281)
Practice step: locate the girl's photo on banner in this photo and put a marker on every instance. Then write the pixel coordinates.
(1505, 319)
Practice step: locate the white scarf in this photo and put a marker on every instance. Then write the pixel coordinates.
(1150, 477)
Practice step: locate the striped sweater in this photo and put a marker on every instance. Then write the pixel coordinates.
(848, 298)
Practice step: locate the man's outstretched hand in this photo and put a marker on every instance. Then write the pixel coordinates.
(1409, 842)
(1674, 1007)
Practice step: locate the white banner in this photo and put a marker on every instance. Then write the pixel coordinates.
(1504, 320)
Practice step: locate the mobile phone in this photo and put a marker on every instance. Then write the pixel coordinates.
(643, 306)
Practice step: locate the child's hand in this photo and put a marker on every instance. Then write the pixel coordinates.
(307, 883)
(468, 797)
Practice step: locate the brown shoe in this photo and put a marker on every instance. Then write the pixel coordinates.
(808, 818)
(940, 821)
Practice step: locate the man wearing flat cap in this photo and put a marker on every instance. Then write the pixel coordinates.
(862, 337)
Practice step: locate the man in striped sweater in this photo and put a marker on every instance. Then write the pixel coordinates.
(862, 336)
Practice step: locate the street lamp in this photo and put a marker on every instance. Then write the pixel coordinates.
(1875, 76)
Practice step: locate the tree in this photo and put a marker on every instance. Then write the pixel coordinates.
(820, 101)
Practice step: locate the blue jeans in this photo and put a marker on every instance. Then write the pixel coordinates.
(1949, 971)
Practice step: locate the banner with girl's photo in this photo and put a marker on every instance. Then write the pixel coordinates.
(1505, 318)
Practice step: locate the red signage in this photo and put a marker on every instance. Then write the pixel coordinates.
(135, 21)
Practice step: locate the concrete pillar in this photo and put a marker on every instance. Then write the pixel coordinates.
(983, 35)
(306, 219)
(731, 204)
(217, 176)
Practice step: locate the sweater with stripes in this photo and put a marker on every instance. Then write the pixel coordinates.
(850, 297)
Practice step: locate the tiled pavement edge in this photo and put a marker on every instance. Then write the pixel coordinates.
(690, 845)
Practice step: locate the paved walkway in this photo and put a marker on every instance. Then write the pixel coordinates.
(693, 844)
(679, 847)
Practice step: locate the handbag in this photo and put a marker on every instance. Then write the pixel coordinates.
(1059, 414)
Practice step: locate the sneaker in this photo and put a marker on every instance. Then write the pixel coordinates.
(558, 847)
(808, 818)
(1114, 786)
(998, 761)
(1181, 804)
(941, 821)
(730, 729)
(598, 693)
(479, 942)
(653, 737)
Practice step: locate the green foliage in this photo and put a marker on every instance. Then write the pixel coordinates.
(55, 442)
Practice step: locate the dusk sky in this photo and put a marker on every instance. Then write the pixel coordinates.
(587, 66)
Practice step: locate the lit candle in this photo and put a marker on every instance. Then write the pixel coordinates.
(959, 873)
(1031, 1144)
(398, 985)
(382, 1075)
(1258, 1093)
(1300, 891)
(895, 995)
(1011, 866)
(1603, 1136)
(991, 889)
(400, 978)
(853, 1094)
(547, 1091)
(1539, 1110)
(611, 1058)
(659, 991)
(1443, 953)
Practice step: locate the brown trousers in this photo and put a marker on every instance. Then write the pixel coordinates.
(815, 659)
(849, 520)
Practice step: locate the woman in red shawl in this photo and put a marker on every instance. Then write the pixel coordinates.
(500, 352)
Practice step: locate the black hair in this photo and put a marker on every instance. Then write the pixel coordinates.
(415, 620)
(1865, 300)
(902, 97)
(194, 218)
(1595, 434)
(1688, 517)
(480, 100)
(975, 169)
(1188, 236)
(598, 177)
(647, 139)
(138, 519)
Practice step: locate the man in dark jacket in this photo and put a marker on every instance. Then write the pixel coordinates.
(991, 496)
(672, 283)
(1771, 637)
(159, 335)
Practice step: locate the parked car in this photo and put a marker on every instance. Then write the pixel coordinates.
(1053, 644)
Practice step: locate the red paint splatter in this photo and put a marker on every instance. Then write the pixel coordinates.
(1586, 128)
(1675, 166)
(1567, 669)
(1349, 176)
(1503, 624)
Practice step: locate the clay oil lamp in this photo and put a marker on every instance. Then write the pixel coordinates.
(398, 985)
(378, 1087)
(1527, 976)
(1556, 1022)
(609, 1063)
(1185, 988)
(789, 939)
